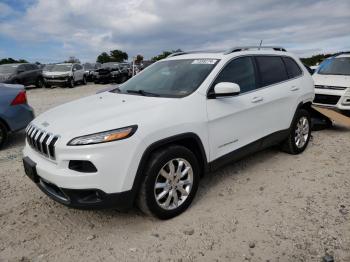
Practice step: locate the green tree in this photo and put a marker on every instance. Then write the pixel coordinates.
(103, 58)
(165, 54)
(12, 61)
(118, 56)
(139, 59)
(72, 59)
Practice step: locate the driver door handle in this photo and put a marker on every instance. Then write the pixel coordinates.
(257, 99)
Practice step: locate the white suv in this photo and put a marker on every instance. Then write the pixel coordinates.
(332, 83)
(66, 74)
(151, 140)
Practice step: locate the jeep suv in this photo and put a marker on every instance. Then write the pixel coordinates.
(151, 139)
(332, 83)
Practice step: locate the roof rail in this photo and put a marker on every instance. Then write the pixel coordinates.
(244, 48)
(177, 53)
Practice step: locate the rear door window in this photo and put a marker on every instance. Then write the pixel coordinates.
(292, 67)
(271, 70)
(240, 71)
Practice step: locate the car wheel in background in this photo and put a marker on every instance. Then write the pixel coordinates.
(170, 183)
(3, 134)
(40, 83)
(300, 133)
(71, 82)
(84, 80)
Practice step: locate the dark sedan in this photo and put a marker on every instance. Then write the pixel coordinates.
(15, 113)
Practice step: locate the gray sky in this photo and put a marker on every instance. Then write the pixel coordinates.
(52, 30)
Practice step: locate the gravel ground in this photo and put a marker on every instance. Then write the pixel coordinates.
(270, 206)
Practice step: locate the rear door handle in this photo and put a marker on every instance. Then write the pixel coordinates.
(294, 88)
(257, 99)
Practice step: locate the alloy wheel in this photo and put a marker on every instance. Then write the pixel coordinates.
(173, 183)
(302, 132)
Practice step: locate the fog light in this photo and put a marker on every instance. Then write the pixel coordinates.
(82, 166)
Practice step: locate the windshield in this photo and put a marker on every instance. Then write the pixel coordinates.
(335, 66)
(175, 78)
(60, 68)
(8, 69)
(88, 67)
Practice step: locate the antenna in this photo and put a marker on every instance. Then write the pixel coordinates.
(260, 44)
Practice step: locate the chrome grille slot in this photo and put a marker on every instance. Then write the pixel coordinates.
(41, 141)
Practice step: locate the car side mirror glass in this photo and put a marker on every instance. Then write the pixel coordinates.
(223, 89)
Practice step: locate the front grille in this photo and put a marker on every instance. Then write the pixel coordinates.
(330, 87)
(326, 99)
(41, 141)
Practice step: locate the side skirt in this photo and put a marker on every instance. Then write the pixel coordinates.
(262, 143)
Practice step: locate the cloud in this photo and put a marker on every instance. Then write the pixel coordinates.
(85, 28)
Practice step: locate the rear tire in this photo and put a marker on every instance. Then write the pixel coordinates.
(3, 134)
(170, 183)
(300, 133)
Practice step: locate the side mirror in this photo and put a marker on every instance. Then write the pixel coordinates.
(74, 69)
(223, 89)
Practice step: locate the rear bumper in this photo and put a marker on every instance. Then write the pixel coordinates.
(18, 117)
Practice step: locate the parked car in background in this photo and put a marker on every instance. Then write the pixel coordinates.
(15, 113)
(111, 72)
(332, 83)
(66, 74)
(25, 74)
(151, 139)
(89, 69)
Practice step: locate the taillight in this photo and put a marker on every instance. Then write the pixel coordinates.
(20, 99)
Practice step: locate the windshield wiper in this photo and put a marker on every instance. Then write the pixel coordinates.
(141, 92)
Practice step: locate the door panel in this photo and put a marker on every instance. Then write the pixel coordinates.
(236, 121)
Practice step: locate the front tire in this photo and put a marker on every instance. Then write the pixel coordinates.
(3, 134)
(300, 133)
(84, 80)
(71, 82)
(170, 183)
(40, 83)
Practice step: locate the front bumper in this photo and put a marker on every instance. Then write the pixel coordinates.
(79, 198)
(53, 81)
(336, 99)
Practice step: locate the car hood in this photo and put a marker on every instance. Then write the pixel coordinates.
(97, 113)
(53, 73)
(332, 80)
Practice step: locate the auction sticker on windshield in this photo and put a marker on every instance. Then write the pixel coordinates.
(204, 61)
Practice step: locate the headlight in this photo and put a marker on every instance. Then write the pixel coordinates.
(103, 137)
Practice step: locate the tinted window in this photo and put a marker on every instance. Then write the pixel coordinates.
(79, 67)
(272, 70)
(292, 67)
(35, 67)
(240, 71)
(335, 66)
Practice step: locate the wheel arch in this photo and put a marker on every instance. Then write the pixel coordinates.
(188, 140)
(5, 124)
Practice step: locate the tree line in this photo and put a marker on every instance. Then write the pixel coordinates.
(121, 56)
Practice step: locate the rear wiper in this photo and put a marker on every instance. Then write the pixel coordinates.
(141, 92)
